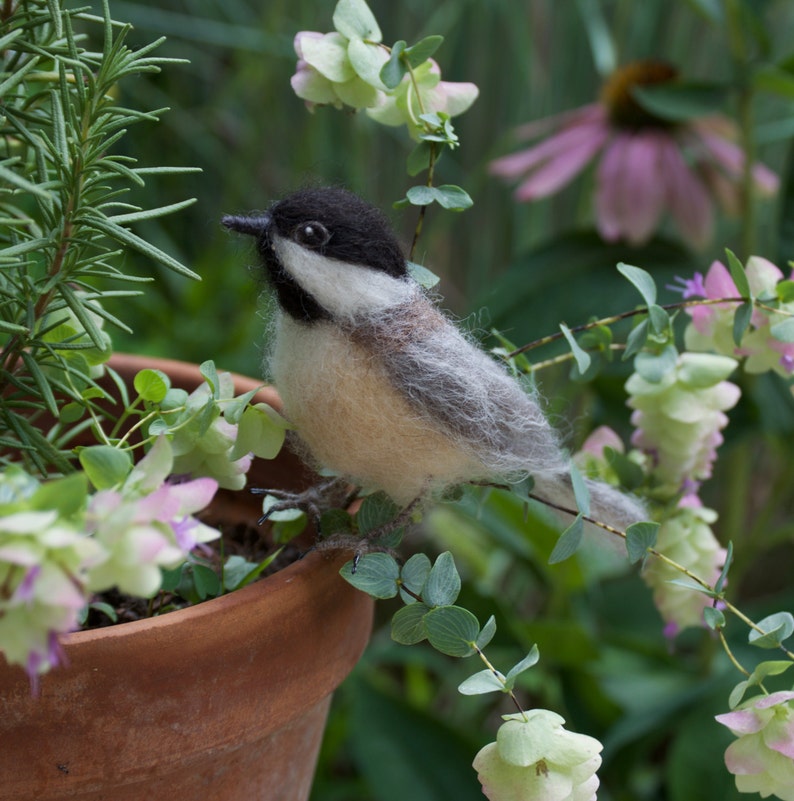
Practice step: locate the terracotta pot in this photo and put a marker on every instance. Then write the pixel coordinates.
(222, 701)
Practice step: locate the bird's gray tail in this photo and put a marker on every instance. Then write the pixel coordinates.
(607, 503)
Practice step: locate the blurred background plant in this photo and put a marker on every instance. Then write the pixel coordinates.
(399, 728)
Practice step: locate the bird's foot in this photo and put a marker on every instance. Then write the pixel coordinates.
(382, 538)
(314, 501)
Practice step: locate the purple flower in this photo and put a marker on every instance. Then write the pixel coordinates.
(41, 660)
(648, 165)
(25, 591)
(690, 288)
(142, 529)
(44, 562)
(712, 325)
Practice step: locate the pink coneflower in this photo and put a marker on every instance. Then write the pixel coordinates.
(648, 165)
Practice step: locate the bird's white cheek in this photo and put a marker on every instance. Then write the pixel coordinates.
(347, 291)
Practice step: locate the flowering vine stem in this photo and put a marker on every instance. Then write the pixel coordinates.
(616, 318)
(564, 357)
(500, 678)
(431, 166)
(734, 661)
(434, 152)
(487, 662)
(422, 209)
(671, 563)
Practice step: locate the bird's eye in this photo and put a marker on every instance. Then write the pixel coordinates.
(312, 235)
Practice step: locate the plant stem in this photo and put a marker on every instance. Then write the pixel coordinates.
(671, 563)
(422, 209)
(734, 661)
(500, 678)
(616, 318)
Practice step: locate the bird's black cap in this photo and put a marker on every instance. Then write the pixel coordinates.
(354, 232)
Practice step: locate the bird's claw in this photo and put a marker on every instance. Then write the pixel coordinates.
(313, 501)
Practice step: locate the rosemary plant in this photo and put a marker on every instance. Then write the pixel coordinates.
(81, 516)
(66, 205)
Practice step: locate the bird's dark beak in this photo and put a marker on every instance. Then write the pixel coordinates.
(254, 226)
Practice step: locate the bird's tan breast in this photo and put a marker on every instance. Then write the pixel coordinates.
(353, 420)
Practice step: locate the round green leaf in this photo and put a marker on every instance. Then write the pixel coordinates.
(714, 618)
(152, 385)
(260, 432)
(421, 195)
(376, 510)
(452, 630)
(413, 576)
(368, 60)
(105, 466)
(376, 574)
(776, 628)
(71, 413)
(328, 56)
(419, 158)
(206, 582)
(65, 495)
(408, 624)
(482, 682)
(785, 291)
(642, 280)
(453, 198)
(640, 537)
(424, 277)
(443, 582)
(419, 53)
(354, 19)
(393, 71)
(210, 373)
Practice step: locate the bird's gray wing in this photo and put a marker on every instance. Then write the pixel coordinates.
(457, 386)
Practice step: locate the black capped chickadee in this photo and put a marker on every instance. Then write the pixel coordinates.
(384, 389)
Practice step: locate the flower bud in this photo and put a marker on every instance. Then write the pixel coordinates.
(535, 759)
(679, 418)
(762, 759)
(685, 536)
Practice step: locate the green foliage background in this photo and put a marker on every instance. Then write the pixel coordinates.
(399, 729)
